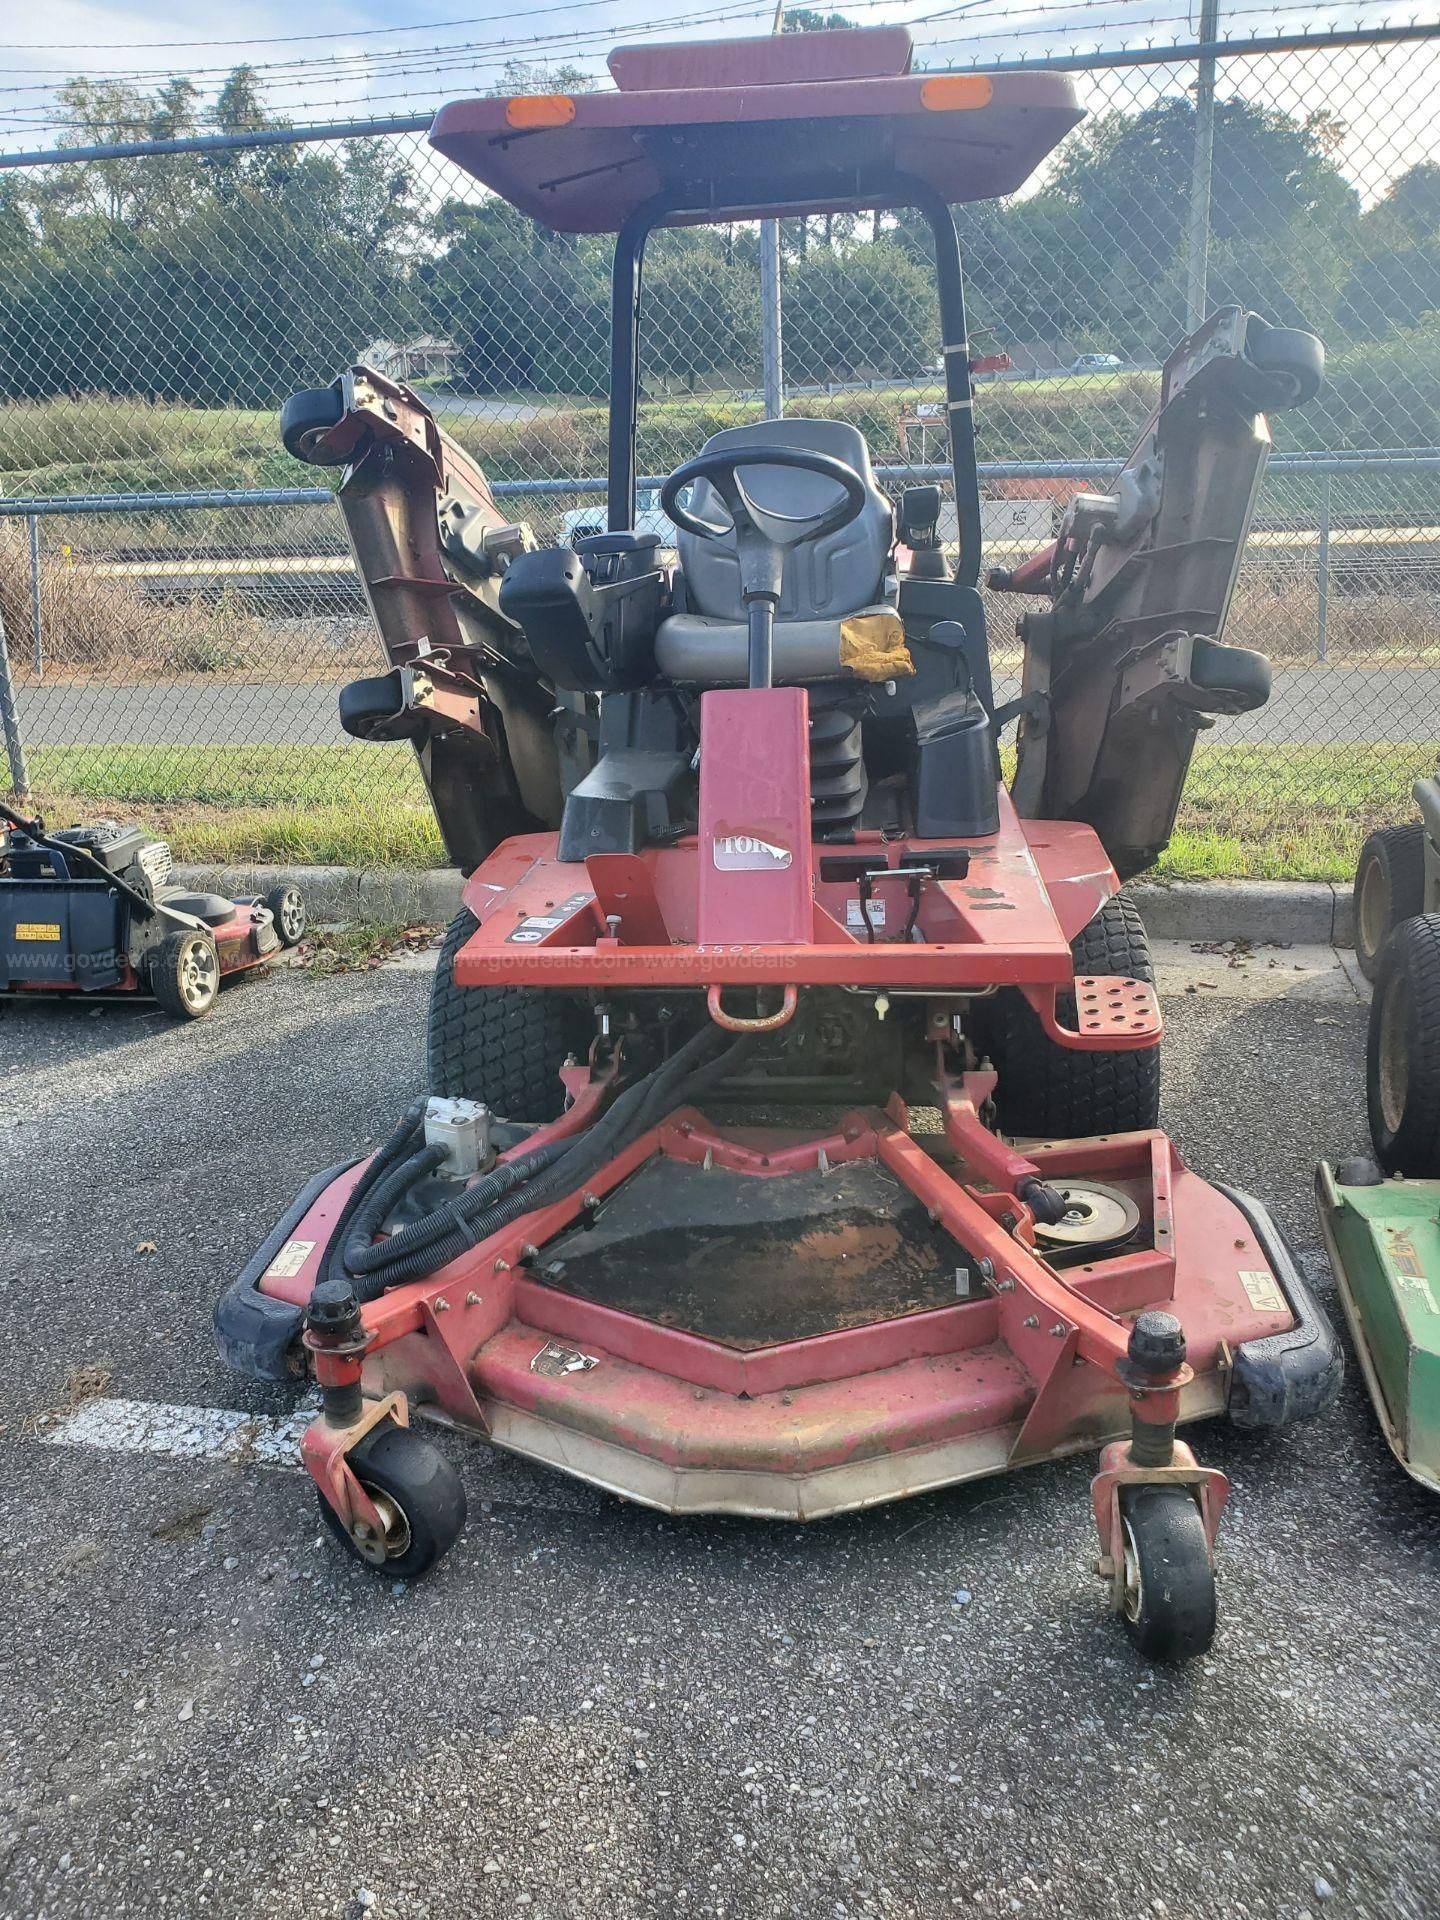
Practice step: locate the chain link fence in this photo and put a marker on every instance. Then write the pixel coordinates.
(178, 603)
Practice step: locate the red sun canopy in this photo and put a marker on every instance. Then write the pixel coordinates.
(791, 123)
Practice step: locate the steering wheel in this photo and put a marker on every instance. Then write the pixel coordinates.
(783, 530)
(762, 536)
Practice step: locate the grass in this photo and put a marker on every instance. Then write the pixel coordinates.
(123, 444)
(1289, 812)
(361, 806)
(1292, 813)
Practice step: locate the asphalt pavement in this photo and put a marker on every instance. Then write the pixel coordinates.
(591, 1709)
(1324, 706)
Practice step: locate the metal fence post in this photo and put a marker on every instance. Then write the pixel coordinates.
(1197, 238)
(772, 350)
(1322, 574)
(36, 629)
(10, 722)
(771, 338)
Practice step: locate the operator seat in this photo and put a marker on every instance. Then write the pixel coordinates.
(826, 582)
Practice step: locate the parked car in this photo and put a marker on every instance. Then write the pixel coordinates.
(1095, 363)
(648, 519)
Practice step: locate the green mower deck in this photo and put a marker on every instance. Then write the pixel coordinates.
(1383, 1238)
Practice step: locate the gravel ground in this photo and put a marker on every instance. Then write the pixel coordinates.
(590, 1709)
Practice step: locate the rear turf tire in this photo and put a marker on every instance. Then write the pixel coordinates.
(1046, 1091)
(502, 1045)
(1402, 1051)
(1389, 888)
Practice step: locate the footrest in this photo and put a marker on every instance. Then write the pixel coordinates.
(1112, 1013)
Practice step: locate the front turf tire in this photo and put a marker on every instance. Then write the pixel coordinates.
(1049, 1092)
(502, 1045)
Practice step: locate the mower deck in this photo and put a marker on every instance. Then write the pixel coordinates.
(864, 1324)
(1383, 1239)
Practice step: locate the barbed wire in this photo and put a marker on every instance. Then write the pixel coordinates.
(20, 118)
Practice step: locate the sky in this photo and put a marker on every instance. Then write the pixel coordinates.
(405, 56)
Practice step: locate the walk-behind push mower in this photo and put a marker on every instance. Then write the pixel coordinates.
(1383, 1233)
(736, 843)
(91, 911)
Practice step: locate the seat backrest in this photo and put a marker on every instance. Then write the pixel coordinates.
(824, 579)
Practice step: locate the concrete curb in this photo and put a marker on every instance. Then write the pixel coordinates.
(397, 895)
(1293, 912)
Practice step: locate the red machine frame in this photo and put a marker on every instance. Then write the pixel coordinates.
(1035, 1358)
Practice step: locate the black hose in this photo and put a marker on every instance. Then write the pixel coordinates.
(382, 1199)
(364, 1254)
(332, 1267)
(390, 1263)
(432, 1243)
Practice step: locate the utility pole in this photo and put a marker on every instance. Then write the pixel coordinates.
(1197, 238)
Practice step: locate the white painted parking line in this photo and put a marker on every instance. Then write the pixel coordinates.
(186, 1433)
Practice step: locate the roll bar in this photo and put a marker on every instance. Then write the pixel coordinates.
(893, 191)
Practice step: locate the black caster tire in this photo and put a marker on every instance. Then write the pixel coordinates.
(183, 973)
(287, 907)
(1294, 359)
(1402, 1051)
(1239, 678)
(304, 420)
(1049, 1092)
(1168, 1598)
(417, 1490)
(1389, 888)
(502, 1045)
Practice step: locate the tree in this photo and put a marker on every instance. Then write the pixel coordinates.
(1411, 205)
(1283, 218)
(872, 311)
(1395, 281)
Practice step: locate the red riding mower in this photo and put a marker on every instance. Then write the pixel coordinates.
(736, 841)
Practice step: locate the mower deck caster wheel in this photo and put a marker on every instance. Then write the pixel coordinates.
(305, 419)
(287, 907)
(184, 973)
(1168, 1600)
(419, 1494)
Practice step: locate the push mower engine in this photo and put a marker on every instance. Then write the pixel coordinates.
(91, 910)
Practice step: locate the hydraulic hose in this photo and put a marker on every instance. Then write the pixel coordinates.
(426, 1245)
(363, 1254)
(333, 1265)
